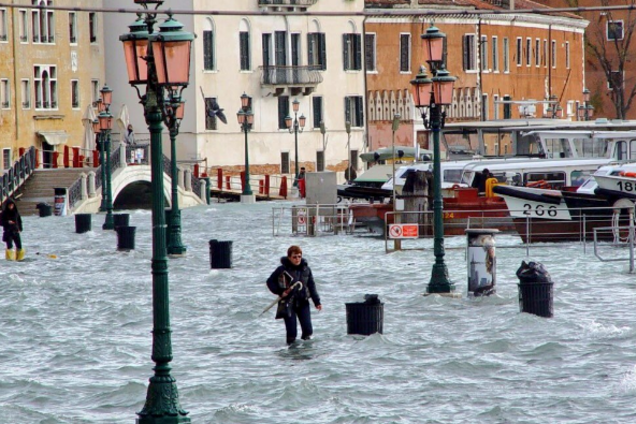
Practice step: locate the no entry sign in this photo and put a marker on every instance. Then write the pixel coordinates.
(403, 231)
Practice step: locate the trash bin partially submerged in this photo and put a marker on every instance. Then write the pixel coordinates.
(220, 254)
(366, 317)
(82, 222)
(121, 220)
(536, 289)
(44, 209)
(125, 238)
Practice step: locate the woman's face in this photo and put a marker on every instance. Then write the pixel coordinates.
(295, 258)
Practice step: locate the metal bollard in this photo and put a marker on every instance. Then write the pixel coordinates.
(125, 238)
(482, 264)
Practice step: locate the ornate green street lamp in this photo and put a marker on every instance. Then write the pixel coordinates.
(245, 118)
(175, 111)
(102, 155)
(106, 126)
(161, 62)
(295, 126)
(432, 95)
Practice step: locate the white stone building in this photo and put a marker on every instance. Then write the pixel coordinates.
(317, 60)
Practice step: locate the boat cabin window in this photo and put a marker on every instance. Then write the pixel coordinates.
(632, 150)
(578, 178)
(558, 148)
(494, 142)
(529, 145)
(452, 176)
(588, 183)
(555, 179)
(621, 150)
(590, 147)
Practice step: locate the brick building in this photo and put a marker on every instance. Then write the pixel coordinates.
(495, 57)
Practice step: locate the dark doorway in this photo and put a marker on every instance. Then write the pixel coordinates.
(47, 154)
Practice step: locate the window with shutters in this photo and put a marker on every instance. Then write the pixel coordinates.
(316, 50)
(43, 22)
(72, 27)
(567, 55)
(519, 51)
(25, 86)
(354, 111)
(528, 51)
(210, 118)
(295, 49)
(45, 81)
(320, 161)
(208, 51)
(352, 54)
(483, 53)
(495, 54)
(284, 162)
(75, 94)
(267, 50)
(317, 110)
(537, 52)
(507, 109)
(506, 54)
(553, 54)
(469, 56)
(369, 52)
(244, 40)
(283, 111)
(405, 52)
(92, 27)
(544, 53)
(5, 94)
(23, 26)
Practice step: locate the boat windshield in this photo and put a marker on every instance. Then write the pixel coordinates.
(530, 145)
(452, 176)
(591, 147)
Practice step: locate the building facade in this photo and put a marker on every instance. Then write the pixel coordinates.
(506, 65)
(51, 71)
(276, 60)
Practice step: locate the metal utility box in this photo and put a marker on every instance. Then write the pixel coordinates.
(321, 188)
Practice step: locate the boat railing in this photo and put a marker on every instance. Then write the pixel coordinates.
(621, 240)
(311, 220)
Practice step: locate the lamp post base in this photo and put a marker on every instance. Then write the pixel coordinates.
(109, 222)
(248, 198)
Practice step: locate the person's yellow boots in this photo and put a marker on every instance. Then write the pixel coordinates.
(20, 254)
(9, 255)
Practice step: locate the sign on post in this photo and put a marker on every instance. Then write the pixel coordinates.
(403, 231)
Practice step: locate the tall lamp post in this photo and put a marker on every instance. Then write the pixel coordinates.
(295, 126)
(160, 61)
(433, 94)
(586, 110)
(102, 154)
(106, 125)
(175, 110)
(245, 118)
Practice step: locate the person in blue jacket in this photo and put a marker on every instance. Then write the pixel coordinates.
(294, 268)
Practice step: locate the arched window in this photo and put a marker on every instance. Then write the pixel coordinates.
(42, 22)
(209, 46)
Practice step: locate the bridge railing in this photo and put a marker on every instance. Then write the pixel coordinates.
(17, 175)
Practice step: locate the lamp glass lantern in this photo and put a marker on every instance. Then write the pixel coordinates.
(581, 112)
(288, 121)
(179, 111)
(245, 101)
(434, 44)
(302, 121)
(443, 87)
(135, 50)
(171, 48)
(590, 111)
(105, 121)
(295, 105)
(107, 96)
(96, 127)
(586, 95)
(240, 116)
(101, 107)
(422, 86)
(249, 115)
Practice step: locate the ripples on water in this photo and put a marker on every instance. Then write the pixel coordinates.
(75, 337)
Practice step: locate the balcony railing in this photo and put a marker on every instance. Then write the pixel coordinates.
(277, 3)
(291, 76)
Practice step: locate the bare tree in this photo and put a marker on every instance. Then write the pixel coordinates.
(608, 41)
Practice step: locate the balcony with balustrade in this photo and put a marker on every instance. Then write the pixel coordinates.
(298, 79)
(286, 5)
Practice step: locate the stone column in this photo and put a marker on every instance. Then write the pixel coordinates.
(84, 188)
(91, 184)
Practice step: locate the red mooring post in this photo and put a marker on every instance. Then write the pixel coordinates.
(95, 158)
(37, 158)
(219, 178)
(21, 151)
(242, 180)
(67, 157)
(196, 170)
(283, 187)
(228, 180)
(76, 157)
(261, 186)
(267, 185)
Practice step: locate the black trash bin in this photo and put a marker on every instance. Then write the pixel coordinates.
(125, 237)
(44, 209)
(121, 220)
(82, 222)
(220, 254)
(366, 317)
(536, 289)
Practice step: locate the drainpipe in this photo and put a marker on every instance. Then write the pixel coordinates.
(16, 86)
(549, 53)
(479, 70)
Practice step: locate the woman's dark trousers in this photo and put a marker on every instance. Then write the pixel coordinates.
(304, 316)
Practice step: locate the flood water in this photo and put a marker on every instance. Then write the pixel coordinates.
(75, 338)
